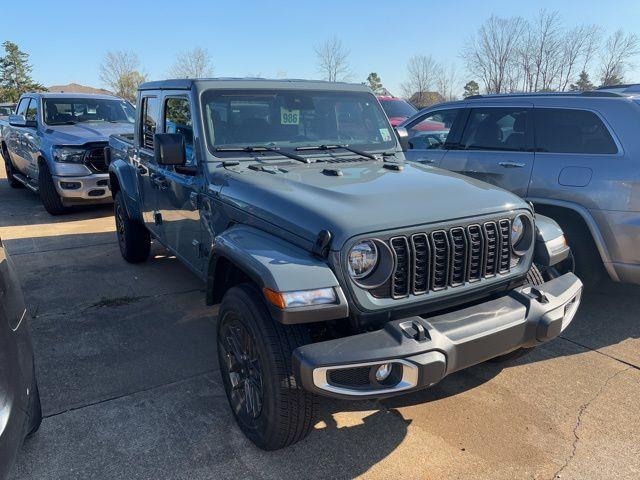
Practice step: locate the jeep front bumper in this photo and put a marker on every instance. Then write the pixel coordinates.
(417, 352)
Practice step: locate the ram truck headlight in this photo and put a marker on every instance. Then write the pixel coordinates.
(362, 259)
(68, 154)
(301, 298)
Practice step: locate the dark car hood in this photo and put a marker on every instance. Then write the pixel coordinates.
(366, 198)
(82, 133)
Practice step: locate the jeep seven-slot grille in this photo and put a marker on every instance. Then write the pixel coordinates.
(450, 258)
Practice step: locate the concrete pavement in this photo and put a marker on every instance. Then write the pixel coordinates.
(126, 362)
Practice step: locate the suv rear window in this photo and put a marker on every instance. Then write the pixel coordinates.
(561, 130)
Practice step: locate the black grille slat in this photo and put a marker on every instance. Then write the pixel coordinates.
(95, 159)
(400, 277)
(476, 252)
(505, 245)
(350, 377)
(421, 263)
(439, 260)
(491, 249)
(458, 266)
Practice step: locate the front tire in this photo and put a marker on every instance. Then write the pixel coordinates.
(48, 194)
(133, 237)
(254, 353)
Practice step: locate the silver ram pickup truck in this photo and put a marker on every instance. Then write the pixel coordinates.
(54, 146)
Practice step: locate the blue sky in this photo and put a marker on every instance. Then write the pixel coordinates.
(67, 40)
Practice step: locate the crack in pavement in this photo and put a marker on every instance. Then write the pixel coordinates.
(129, 394)
(624, 362)
(581, 413)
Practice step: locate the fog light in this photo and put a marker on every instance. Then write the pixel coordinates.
(383, 372)
(70, 185)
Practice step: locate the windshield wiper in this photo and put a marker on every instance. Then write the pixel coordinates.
(263, 148)
(336, 146)
(68, 122)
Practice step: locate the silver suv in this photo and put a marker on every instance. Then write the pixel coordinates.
(575, 156)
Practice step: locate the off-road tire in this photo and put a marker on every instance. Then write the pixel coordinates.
(133, 237)
(8, 165)
(287, 412)
(586, 257)
(48, 194)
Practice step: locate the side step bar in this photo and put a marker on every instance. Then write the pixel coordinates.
(25, 181)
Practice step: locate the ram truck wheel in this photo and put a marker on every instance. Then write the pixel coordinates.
(254, 352)
(133, 237)
(48, 194)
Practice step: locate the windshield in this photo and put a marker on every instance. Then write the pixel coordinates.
(398, 108)
(288, 119)
(68, 111)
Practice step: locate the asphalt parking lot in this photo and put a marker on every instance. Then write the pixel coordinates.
(126, 362)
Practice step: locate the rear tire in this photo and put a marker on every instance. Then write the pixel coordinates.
(279, 412)
(8, 165)
(48, 194)
(133, 237)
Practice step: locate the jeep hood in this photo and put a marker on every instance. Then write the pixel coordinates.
(366, 198)
(82, 133)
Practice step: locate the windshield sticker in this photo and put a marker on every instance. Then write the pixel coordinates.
(386, 135)
(289, 117)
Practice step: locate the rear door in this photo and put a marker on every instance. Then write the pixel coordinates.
(179, 202)
(144, 160)
(430, 133)
(496, 146)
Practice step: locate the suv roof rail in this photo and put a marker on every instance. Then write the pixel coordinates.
(589, 93)
(626, 88)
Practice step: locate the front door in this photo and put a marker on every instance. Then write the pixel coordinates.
(179, 203)
(496, 147)
(147, 169)
(429, 134)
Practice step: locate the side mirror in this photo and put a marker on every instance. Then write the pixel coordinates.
(169, 149)
(403, 137)
(20, 121)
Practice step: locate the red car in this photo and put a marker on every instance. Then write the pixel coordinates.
(397, 109)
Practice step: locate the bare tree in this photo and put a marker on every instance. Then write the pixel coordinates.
(447, 82)
(120, 72)
(616, 56)
(195, 63)
(422, 74)
(578, 47)
(492, 55)
(333, 60)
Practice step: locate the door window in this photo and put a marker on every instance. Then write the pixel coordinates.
(32, 111)
(560, 130)
(22, 107)
(431, 132)
(504, 129)
(177, 119)
(149, 121)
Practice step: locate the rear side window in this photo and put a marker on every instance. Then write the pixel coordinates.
(32, 110)
(22, 107)
(149, 121)
(504, 129)
(560, 130)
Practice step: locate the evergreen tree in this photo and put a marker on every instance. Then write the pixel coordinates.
(15, 74)
(583, 84)
(471, 88)
(374, 83)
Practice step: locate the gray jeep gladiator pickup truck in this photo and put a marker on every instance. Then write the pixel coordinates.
(340, 269)
(54, 145)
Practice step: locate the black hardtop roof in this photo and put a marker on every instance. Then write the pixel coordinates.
(250, 83)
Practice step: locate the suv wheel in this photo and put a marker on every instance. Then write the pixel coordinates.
(9, 169)
(133, 237)
(48, 194)
(254, 353)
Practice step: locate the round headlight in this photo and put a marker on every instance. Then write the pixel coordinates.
(517, 230)
(363, 258)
